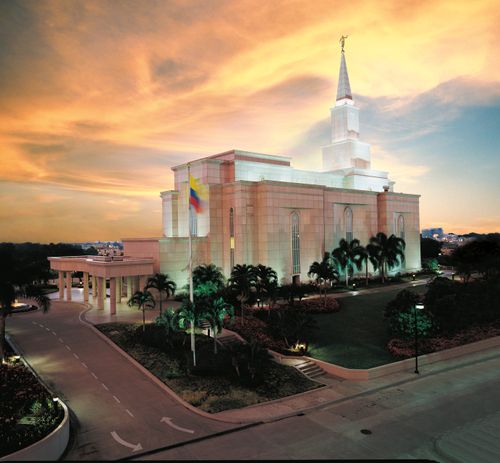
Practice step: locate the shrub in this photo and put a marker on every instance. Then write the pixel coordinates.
(403, 325)
(404, 302)
(314, 306)
(254, 329)
(405, 348)
(27, 412)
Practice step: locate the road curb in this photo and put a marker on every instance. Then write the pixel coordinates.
(152, 377)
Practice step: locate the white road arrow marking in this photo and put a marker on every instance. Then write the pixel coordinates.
(168, 420)
(118, 439)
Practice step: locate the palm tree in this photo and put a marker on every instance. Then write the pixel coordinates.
(266, 282)
(8, 295)
(143, 300)
(346, 257)
(243, 281)
(324, 272)
(190, 315)
(215, 313)
(208, 274)
(169, 320)
(162, 284)
(365, 255)
(387, 252)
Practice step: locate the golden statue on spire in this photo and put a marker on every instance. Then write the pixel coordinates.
(342, 41)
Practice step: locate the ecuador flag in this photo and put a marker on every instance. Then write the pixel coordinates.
(196, 194)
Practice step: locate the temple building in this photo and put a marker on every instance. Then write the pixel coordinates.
(261, 210)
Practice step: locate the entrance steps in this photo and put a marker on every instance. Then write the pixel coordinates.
(309, 369)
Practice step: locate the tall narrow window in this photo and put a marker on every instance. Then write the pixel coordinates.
(348, 224)
(193, 221)
(401, 226)
(231, 238)
(295, 243)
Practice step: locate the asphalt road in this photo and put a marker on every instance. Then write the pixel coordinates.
(450, 416)
(119, 410)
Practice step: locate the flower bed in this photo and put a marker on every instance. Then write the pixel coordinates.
(251, 328)
(27, 410)
(214, 385)
(403, 348)
(317, 305)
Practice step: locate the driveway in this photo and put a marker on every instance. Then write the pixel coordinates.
(118, 410)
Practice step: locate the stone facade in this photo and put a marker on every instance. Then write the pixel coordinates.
(260, 210)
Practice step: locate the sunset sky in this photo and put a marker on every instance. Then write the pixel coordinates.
(98, 99)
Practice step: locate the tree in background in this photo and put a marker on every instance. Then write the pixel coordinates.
(266, 283)
(387, 252)
(143, 300)
(430, 248)
(481, 256)
(347, 257)
(242, 282)
(162, 283)
(210, 273)
(324, 273)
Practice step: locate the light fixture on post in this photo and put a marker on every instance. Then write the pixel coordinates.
(418, 306)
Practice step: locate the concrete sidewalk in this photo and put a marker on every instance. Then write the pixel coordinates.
(337, 390)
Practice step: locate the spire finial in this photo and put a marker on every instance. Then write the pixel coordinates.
(342, 41)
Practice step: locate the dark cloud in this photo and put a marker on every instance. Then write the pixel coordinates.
(175, 75)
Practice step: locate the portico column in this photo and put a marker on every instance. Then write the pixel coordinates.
(85, 286)
(68, 286)
(94, 288)
(112, 296)
(61, 285)
(142, 282)
(100, 293)
(118, 289)
(129, 288)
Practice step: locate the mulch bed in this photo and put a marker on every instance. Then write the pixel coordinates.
(405, 348)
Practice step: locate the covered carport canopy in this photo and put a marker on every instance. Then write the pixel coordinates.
(100, 269)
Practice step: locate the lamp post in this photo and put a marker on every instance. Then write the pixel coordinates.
(418, 306)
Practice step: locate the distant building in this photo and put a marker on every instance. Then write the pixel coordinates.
(435, 233)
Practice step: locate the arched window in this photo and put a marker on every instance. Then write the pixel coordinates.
(193, 221)
(348, 224)
(295, 225)
(401, 226)
(231, 238)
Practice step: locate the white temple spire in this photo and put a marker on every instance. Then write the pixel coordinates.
(344, 88)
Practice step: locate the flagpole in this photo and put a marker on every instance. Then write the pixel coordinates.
(191, 297)
(190, 241)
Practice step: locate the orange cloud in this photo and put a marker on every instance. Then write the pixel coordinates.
(101, 98)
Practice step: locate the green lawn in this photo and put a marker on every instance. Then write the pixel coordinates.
(356, 336)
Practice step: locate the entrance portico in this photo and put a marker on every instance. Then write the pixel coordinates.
(102, 269)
